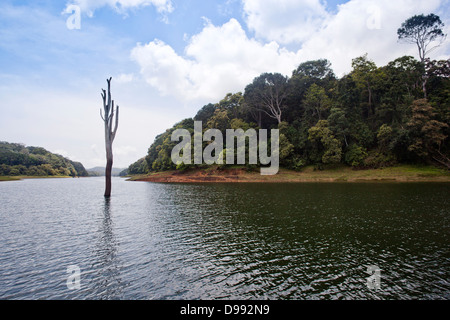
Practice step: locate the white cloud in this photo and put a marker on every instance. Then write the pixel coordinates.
(122, 6)
(124, 78)
(285, 21)
(218, 60)
(121, 150)
(362, 26)
(162, 67)
(222, 59)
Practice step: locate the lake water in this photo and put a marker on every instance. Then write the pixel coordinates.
(223, 241)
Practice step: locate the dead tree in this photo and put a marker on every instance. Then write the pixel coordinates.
(108, 118)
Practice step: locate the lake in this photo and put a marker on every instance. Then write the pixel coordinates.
(223, 241)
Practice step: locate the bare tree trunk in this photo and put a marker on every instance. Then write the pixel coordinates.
(259, 119)
(108, 171)
(110, 134)
(425, 75)
(369, 89)
(256, 115)
(424, 85)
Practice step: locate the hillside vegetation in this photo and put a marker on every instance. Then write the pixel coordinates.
(373, 117)
(17, 159)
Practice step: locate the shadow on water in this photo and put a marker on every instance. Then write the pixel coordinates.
(108, 284)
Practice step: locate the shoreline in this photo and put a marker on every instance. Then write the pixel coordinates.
(19, 178)
(306, 175)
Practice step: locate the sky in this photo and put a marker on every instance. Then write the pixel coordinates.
(168, 58)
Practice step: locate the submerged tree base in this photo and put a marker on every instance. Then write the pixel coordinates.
(404, 173)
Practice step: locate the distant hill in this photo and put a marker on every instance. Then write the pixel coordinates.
(100, 171)
(16, 159)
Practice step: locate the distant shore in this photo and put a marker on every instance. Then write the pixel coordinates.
(18, 178)
(403, 173)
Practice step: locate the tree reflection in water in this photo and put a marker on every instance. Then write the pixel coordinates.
(108, 266)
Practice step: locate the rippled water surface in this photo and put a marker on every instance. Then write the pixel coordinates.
(223, 241)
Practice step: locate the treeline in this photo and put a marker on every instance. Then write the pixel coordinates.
(17, 159)
(372, 117)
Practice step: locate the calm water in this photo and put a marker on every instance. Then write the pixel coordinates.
(223, 241)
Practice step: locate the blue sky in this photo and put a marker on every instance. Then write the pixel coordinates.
(170, 57)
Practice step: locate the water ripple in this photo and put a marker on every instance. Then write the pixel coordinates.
(223, 241)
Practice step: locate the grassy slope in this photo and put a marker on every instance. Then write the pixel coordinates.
(338, 174)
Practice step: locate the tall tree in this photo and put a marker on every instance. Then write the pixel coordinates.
(423, 31)
(219, 120)
(403, 78)
(427, 133)
(110, 133)
(205, 113)
(316, 103)
(339, 124)
(330, 150)
(367, 76)
(317, 72)
(232, 103)
(316, 69)
(267, 94)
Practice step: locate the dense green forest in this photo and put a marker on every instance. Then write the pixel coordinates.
(19, 160)
(372, 117)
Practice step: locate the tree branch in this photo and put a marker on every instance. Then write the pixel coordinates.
(117, 124)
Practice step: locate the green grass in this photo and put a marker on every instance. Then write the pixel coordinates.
(9, 178)
(423, 171)
(398, 173)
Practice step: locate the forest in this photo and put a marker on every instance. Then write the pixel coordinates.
(17, 159)
(370, 118)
